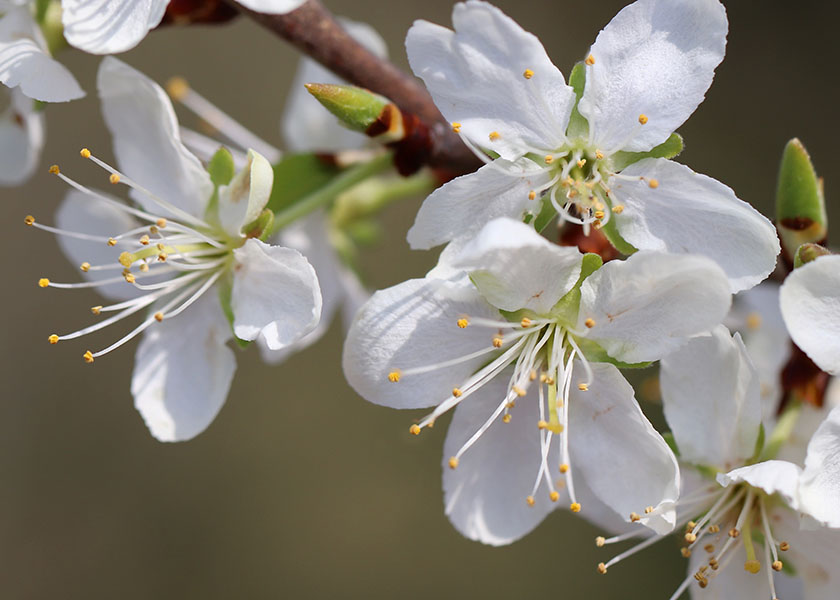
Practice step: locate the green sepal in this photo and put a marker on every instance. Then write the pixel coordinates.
(355, 107)
(221, 168)
(364, 232)
(610, 231)
(759, 443)
(669, 438)
(48, 17)
(670, 148)
(41, 7)
(546, 214)
(807, 253)
(297, 176)
(566, 309)
(578, 125)
(594, 353)
(225, 285)
(260, 227)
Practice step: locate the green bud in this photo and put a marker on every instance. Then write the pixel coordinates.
(807, 253)
(221, 167)
(800, 206)
(360, 110)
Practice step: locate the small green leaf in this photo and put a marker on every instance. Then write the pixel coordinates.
(595, 353)
(355, 107)
(670, 148)
(800, 206)
(297, 176)
(591, 263)
(221, 167)
(807, 253)
(610, 231)
(547, 214)
(578, 125)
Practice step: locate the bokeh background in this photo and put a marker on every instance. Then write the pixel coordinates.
(300, 488)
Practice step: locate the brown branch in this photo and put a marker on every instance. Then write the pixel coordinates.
(314, 31)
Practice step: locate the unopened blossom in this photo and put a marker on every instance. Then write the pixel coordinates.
(111, 26)
(592, 157)
(810, 301)
(183, 256)
(517, 335)
(742, 504)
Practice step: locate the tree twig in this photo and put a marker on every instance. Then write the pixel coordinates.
(314, 31)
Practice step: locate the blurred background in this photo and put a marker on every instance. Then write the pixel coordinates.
(300, 488)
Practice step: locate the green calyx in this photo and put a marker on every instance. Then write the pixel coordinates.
(800, 204)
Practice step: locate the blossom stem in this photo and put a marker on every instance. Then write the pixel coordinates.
(782, 431)
(329, 192)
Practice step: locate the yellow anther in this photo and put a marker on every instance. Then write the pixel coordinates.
(29, 220)
(583, 387)
(777, 565)
(554, 496)
(511, 404)
(531, 195)
(525, 322)
(96, 309)
(85, 153)
(112, 242)
(160, 246)
(114, 178)
(686, 552)
(581, 163)
(85, 266)
(574, 507)
(88, 356)
(43, 282)
(144, 239)
(497, 342)
(602, 568)
(144, 268)
(153, 229)
(542, 424)
(709, 548)
(532, 375)
(130, 278)
(456, 127)
(600, 541)
(714, 528)
(648, 510)
(161, 223)
(177, 88)
(752, 566)
(653, 183)
(162, 257)
(462, 323)
(690, 537)
(599, 214)
(590, 323)
(494, 135)
(618, 209)
(54, 170)
(506, 419)
(394, 376)
(528, 74)
(456, 392)
(733, 533)
(453, 463)
(590, 60)
(634, 517)
(530, 501)
(753, 320)
(414, 429)
(158, 317)
(643, 119)
(555, 428)
(519, 391)
(690, 525)
(599, 155)
(564, 468)
(702, 570)
(568, 182)
(549, 380)
(784, 546)
(126, 259)
(543, 377)
(53, 339)
(703, 583)
(548, 159)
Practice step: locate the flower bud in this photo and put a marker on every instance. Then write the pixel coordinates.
(360, 110)
(800, 206)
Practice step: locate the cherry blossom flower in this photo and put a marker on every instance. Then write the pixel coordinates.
(595, 152)
(518, 336)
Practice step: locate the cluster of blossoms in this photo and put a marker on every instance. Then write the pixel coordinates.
(523, 339)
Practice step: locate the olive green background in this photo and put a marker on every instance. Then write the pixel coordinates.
(301, 489)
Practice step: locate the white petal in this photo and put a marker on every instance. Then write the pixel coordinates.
(813, 553)
(617, 451)
(461, 207)
(306, 125)
(648, 305)
(810, 300)
(109, 26)
(695, 214)
(241, 202)
(485, 496)
(310, 237)
(514, 267)
(21, 138)
(84, 214)
(820, 486)
(414, 324)
(272, 7)
(772, 476)
(475, 76)
(275, 294)
(26, 63)
(147, 143)
(711, 394)
(732, 582)
(183, 371)
(655, 58)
